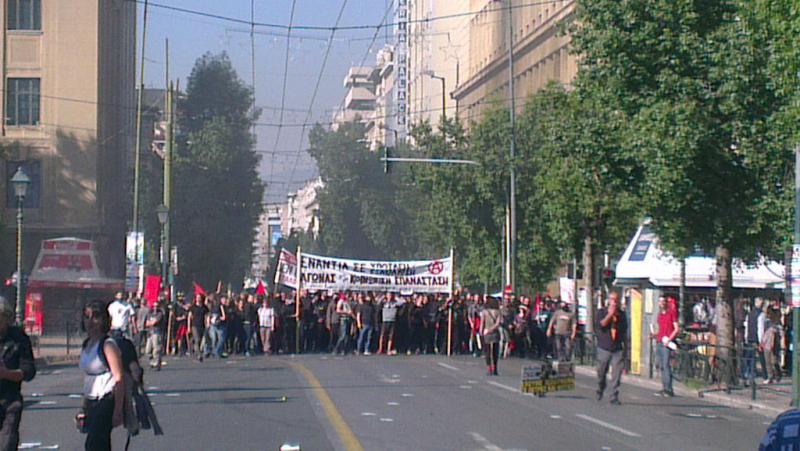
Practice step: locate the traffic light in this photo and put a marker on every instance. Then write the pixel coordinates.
(385, 159)
(608, 276)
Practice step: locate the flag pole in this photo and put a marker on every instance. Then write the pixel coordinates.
(450, 310)
(297, 302)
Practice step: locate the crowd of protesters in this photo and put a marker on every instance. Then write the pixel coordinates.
(218, 324)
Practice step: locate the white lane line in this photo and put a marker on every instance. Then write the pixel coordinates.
(395, 376)
(555, 417)
(48, 447)
(74, 395)
(407, 395)
(153, 388)
(29, 445)
(367, 414)
(37, 395)
(487, 445)
(607, 425)
(472, 382)
(173, 395)
(47, 403)
(387, 420)
(392, 403)
(449, 367)
(503, 386)
(465, 387)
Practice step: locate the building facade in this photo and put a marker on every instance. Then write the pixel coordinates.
(267, 236)
(541, 53)
(68, 104)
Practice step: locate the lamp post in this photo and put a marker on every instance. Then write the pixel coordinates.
(20, 181)
(432, 74)
(163, 218)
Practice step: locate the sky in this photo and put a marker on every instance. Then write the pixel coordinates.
(285, 165)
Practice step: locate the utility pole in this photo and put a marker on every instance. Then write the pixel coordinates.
(168, 148)
(512, 198)
(795, 287)
(138, 146)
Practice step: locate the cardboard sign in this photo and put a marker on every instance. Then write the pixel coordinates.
(547, 377)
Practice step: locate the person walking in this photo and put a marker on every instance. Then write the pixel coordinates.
(365, 319)
(266, 324)
(155, 323)
(490, 323)
(563, 327)
(16, 366)
(122, 316)
(770, 345)
(197, 319)
(103, 384)
(345, 313)
(667, 331)
(611, 327)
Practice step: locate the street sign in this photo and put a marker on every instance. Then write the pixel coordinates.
(547, 377)
(795, 279)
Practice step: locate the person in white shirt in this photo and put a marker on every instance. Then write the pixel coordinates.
(266, 324)
(121, 312)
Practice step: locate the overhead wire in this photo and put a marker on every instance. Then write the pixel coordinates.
(283, 90)
(316, 90)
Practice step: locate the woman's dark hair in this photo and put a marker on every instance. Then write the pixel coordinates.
(492, 303)
(96, 308)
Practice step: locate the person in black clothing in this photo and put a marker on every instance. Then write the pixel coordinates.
(308, 318)
(253, 340)
(430, 317)
(197, 325)
(611, 327)
(16, 365)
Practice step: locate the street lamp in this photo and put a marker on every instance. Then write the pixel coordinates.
(432, 74)
(163, 218)
(20, 181)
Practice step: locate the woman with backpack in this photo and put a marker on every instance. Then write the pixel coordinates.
(103, 384)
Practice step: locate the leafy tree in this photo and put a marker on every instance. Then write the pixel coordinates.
(692, 77)
(217, 191)
(584, 184)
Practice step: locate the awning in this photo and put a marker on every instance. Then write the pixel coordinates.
(645, 261)
(69, 263)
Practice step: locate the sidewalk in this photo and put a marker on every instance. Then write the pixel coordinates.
(770, 401)
(55, 350)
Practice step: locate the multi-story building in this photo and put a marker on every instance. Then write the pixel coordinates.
(359, 103)
(268, 233)
(302, 209)
(438, 52)
(382, 126)
(68, 108)
(541, 53)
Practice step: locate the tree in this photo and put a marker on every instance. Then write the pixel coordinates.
(218, 194)
(692, 77)
(585, 185)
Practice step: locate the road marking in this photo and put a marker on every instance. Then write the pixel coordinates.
(487, 445)
(472, 382)
(173, 395)
(395, 376)
(37, 395)
(29, 445)
(503, 386)
(407, 395)
(47, 403)
(367, 414)
(48, 447)
(346, 435)
(74, 395)
(56, 372)
(392, 403)
(555, 417)
(153, 388)
(607, 425)
(387, 420)
(449, 367)
(465, 387)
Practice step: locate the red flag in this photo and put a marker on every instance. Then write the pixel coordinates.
(261, 289)
(198, 289)
(152, 287)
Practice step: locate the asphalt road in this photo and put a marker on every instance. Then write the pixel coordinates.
(323, 402)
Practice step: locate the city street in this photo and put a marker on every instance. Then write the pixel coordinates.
(323, 402)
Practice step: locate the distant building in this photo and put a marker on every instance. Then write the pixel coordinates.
(541, 53)
(268, 234)
(359, 103)
(68, 109)
(381, 125)
(302, 209)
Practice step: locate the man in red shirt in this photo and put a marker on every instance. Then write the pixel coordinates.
(667, 331)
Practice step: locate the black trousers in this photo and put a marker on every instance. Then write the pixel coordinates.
(99, 416)
(11, 410)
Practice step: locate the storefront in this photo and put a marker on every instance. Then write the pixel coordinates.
(63, 278)
(646, 272)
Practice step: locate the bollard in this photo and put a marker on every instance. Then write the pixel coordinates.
(66, 330)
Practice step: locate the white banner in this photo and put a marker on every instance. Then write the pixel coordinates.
(286, 274)
(338, 274)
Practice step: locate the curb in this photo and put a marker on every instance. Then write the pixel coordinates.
(713, 398)
(44, 362)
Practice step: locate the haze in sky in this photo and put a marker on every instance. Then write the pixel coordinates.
(190, 36)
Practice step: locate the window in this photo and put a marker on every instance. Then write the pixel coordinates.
(33, 169)
(22, 102)
(24, 14)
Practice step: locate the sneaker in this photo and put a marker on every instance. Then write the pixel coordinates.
(660, 393)
(367, 353)
(669, 394)
(408, 352)
(615, 401)
(599, 395)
